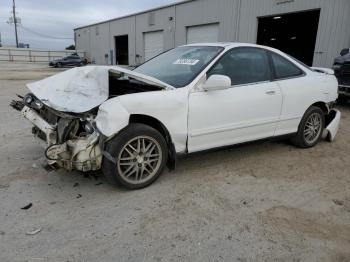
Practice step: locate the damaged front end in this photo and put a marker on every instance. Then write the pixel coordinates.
(63, 107)
(71, 139)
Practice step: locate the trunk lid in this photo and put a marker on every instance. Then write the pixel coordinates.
(327, 71)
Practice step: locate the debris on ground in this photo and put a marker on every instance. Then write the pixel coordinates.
(79, 195)
(92, 174)
(34, 165)
(338, 202)
(98, 184)
(48, 168)
(27, 206)
(34, 232)
(76, 185)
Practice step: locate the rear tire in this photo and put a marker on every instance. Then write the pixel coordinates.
(140, 153)
(310, 128)
(59, 65)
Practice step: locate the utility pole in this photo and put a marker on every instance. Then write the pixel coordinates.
(15, 21)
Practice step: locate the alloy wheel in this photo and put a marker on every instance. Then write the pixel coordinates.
(139, 160)
(313, 128)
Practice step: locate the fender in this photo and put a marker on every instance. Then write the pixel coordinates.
(169, 107)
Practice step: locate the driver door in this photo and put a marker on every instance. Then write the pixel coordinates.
(248, 110)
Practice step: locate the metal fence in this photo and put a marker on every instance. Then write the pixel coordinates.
(34, 55)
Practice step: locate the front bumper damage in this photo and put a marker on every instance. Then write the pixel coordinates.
(81, 153)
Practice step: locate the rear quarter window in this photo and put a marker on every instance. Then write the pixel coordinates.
(283, 68)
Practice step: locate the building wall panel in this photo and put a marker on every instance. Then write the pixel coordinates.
(163, 20)
(332, 33)
(203, 12)
(99, 42)
(238, 21)
(82, 40)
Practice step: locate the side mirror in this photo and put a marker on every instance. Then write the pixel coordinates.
(217, 82)
(345, 51)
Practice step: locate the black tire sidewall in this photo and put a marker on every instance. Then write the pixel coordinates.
(115, 145)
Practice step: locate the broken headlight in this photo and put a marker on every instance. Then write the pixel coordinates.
(38, 104)
(31, 101)
(28, 99)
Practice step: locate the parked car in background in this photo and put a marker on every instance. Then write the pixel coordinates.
(131, 124)
(71, 60)
(342, 72)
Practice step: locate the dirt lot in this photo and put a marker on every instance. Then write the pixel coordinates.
(258, 202)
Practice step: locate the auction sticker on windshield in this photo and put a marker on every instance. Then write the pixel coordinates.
(186, 62)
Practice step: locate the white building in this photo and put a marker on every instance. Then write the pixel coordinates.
(314, 31)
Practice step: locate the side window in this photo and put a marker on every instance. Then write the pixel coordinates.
(243, 66)
(284, 68)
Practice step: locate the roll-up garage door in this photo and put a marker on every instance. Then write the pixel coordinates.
(153, 44)
(203, 33)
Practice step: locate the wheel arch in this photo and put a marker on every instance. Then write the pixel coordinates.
(322, 105)
(161, 128)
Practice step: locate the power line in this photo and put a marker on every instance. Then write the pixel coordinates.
(45, 35)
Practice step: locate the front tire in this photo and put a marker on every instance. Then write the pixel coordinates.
(310, 128)
(140, 153)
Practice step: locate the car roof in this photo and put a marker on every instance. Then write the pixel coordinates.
(229, 45)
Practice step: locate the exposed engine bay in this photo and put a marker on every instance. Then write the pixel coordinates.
(121, 85)
(72, 139)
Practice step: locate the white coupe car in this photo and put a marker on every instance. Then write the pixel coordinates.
(133, 123)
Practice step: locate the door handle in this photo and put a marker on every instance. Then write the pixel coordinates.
(271, 92)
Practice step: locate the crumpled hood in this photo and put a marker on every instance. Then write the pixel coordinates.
(81, 89)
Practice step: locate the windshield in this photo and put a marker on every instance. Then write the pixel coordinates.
(179, 66)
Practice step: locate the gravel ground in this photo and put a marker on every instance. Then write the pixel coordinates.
(265, 201)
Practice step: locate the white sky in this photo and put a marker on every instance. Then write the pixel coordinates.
(58, 18)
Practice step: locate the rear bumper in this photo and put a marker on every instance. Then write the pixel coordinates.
(333, 122)
(82, 153)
